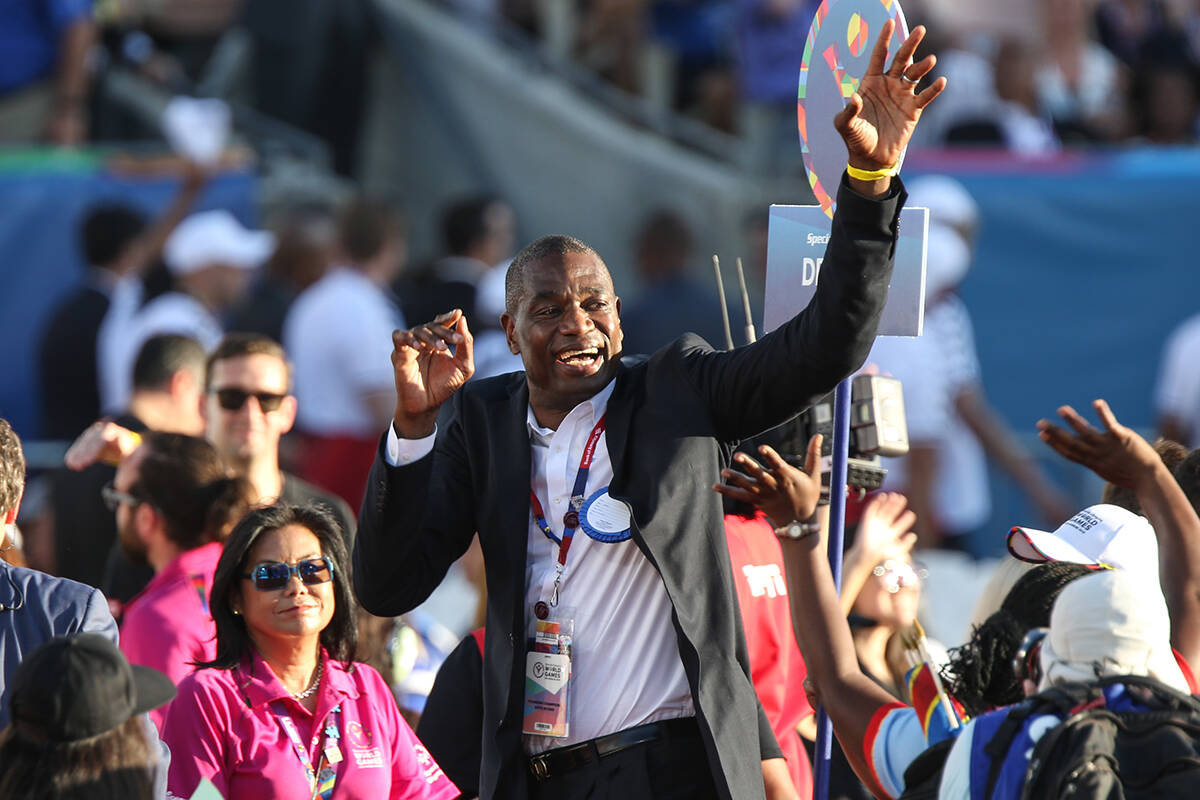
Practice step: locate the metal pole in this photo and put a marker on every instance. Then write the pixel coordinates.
(837, 529)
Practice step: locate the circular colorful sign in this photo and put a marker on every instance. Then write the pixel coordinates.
(836, 55)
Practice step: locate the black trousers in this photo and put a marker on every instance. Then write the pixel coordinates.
(674, 769)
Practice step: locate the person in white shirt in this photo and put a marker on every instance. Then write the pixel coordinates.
(338, 333)
(211, 257)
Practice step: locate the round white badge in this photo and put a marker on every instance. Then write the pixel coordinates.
(605, 519)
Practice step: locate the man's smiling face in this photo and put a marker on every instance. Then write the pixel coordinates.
(566, 326)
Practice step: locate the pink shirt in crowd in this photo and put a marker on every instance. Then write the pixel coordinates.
(223, 726)
(167, 625)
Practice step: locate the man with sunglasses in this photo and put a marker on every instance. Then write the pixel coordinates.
(248, 407)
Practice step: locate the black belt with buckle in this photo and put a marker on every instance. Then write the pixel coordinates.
(564, 759)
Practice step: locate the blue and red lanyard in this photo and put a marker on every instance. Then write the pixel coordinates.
(571, 517)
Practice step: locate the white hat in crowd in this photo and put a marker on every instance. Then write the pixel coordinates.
(1102, 534)
(1109, 623)
(948, 201)
(215, 237)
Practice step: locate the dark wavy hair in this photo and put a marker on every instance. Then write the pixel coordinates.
(980, 673)
(191, 487)
(115, 764)
(340, 636)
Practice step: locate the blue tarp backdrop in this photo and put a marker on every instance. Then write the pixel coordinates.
(40, 210)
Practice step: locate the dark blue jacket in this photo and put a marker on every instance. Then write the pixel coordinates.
(34, 607)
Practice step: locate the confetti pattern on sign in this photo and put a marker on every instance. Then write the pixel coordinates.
(857, 33)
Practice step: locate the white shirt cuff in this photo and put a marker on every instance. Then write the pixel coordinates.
(401, 452)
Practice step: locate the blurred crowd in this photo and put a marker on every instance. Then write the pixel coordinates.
(223, 389)
(1078, 72)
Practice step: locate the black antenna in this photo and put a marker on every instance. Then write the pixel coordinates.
(751, 334)
(724, 310)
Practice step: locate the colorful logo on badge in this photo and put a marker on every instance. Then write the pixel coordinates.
(857, 33)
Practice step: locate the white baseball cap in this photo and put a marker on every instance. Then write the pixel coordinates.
(215, 237)
(1103, 534)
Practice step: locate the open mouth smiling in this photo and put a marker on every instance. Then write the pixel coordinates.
(579, 357)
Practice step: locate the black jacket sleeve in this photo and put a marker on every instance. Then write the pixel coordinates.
(755, 387)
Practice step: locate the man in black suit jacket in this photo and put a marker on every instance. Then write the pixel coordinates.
(667, 426)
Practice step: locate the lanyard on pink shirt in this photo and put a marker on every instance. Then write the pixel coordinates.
(570, 518)
(323, 777)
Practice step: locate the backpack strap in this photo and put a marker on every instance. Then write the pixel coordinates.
(1061, 700)
(924, 774)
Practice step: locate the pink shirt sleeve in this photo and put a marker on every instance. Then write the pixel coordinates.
(197, 729)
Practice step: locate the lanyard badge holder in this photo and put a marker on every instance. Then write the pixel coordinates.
(552, 629)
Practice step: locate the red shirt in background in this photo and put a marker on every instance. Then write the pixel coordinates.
(776, 666)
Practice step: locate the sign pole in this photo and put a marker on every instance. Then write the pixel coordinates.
(837, 528)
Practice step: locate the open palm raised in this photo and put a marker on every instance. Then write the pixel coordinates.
(878, 120)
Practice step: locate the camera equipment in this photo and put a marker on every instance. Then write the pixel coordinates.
(877, 428)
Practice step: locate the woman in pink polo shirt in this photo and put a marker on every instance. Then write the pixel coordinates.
(282, 711)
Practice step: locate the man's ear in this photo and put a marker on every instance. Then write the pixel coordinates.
(146, 521)
(510, 333)
(287, 410)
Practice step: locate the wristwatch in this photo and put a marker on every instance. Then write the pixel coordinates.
(798, 530)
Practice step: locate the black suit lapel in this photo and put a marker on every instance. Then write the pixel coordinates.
(619, 419)
(511, 465)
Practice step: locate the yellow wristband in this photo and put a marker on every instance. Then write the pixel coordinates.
(872, 174)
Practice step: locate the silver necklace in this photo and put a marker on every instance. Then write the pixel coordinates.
(312, 687)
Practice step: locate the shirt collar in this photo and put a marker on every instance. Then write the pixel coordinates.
(200, 560)
(259, 685)
(598, 403)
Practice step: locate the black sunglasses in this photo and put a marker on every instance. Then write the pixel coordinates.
(114, 497)
(271, 575)
(233, 399)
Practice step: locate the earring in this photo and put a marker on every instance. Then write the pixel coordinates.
(236, 613)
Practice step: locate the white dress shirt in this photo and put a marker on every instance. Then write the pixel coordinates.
(626, 668)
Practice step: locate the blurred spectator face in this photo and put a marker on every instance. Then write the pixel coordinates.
(501, 225)
(891, 595)
(295, 610)
(226, 284)
(1016, 73)
(1171, 106)
(265, 410)
(129, 506)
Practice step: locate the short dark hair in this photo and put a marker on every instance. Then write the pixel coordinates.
(555, 245)
(1172, 455)
(340, 636)
(164, 355)
(240, 345)
(464, 223)
(979, 673)
(12, 468)
(187, 482)
(365, 225)
(107, 229)
(117, 763)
